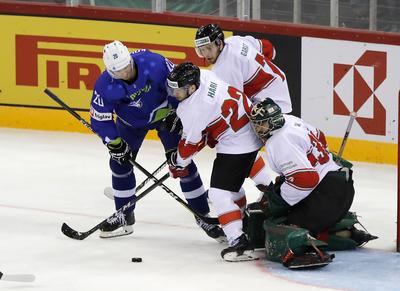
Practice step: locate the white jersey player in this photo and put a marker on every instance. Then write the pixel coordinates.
(245, 63)
(299, 152)
(214, 113)
(318, 192)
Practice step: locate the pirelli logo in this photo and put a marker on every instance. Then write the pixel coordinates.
(82, 57)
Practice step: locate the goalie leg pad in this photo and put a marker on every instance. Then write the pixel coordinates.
(348, 221)
(345, 236)
(293, 246)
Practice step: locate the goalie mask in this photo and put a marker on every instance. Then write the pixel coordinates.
(208, 40)
(266, 116)
(180, 80)
(117, 59)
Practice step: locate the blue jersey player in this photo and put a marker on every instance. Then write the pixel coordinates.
(129, 99)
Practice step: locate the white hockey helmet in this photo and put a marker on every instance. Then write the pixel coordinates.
(116, 57)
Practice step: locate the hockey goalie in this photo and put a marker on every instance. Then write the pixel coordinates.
(305, 213)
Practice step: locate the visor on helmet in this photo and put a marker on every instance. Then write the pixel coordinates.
(119, 73)
(174, 90)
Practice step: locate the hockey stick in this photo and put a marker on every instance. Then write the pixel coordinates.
(353, 115)
(17, 277)
(68, 231)
(211, 220)
(108, 191)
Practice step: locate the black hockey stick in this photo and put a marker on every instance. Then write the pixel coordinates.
(17, 277)
(108, 190)
(68, 231)
(211, 220)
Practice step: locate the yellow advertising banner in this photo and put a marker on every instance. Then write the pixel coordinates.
(65, 55)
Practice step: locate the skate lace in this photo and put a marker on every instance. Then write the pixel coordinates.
(119, 218)
(204, 225)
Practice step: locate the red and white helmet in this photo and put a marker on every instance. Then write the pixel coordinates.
(116, 57)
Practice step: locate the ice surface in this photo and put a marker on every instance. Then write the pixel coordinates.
(48, 178)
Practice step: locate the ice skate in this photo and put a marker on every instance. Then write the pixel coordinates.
(212, 230)
(118, 226)
(241, 250)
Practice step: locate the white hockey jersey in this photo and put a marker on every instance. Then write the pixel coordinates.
(299, 152)
(215, 114)
(263, 46)
(241, 65)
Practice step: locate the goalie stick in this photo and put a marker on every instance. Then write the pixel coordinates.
(353, 115)
(210, 220)
(109, 192)
(17, 277)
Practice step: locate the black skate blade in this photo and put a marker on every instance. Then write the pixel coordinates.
(309, 267)
(298, 265)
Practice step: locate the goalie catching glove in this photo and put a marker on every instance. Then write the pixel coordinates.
(120, 151)
(175, 170)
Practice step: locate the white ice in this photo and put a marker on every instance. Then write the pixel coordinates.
(48, 178)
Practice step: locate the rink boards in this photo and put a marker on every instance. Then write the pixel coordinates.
(331, 72)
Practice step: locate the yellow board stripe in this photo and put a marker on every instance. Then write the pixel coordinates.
(46, 119)
(365, 151)
(61, 120)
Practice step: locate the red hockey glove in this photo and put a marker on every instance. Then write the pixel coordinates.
(175, 170)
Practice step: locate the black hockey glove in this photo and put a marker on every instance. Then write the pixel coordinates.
(172, 123)
(175, 170)
(120, 151)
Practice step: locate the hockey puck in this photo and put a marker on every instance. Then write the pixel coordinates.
(136, 260)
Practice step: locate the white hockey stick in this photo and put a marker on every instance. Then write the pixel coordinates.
(17, 277)
(353, 115)
(109, 193)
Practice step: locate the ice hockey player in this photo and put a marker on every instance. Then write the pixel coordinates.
(133, 89)
(214, 113)
(245, 63)
(308, 205)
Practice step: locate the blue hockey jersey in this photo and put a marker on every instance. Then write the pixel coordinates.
(139, 104)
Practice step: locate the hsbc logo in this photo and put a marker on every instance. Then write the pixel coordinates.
(354, 89)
